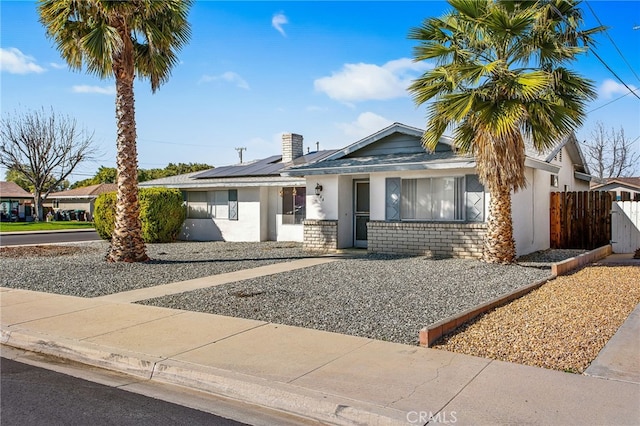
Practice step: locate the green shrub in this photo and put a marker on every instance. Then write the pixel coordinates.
(162, 212)
(104, 214)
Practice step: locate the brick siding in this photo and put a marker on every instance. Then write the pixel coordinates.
(320, 235)
(464, 240)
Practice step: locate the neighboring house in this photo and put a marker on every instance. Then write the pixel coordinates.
(619, 185)
(15, 203)
(79, 198)
(248, 201)
(387, 193)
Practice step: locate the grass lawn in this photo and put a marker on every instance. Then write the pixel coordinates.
(43, 226)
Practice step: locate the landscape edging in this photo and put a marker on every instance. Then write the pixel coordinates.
(428, 335)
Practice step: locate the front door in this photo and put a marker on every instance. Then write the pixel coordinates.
(360, 212)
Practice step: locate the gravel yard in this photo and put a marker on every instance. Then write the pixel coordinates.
(80, 269)
(380, 297)
(562, 325)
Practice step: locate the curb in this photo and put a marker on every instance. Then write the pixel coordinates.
(433, 332)
(58, 231)
(284, 397)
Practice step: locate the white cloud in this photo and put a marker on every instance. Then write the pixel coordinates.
(361, 82)
(229, 76)
(278, 20)
(101, 90)
(366, 124)
(57, 65)
(13, 61)
(609, 88)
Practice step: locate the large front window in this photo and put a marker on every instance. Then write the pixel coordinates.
(212, 204)
(432, 199)
(294, 205)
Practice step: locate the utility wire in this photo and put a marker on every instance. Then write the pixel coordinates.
(612, 101)
(611, 40)
(592, 50)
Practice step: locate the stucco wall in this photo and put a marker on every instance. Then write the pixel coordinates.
(530, 212)
(246, 228)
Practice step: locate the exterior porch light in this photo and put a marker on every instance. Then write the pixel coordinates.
(318, 189)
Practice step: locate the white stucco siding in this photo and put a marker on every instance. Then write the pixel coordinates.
(325, 206)
(246, 228)
(566, 176)
(530, 213)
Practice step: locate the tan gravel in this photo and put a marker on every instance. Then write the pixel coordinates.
(562, 325)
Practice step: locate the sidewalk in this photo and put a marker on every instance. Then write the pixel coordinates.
(330, 377)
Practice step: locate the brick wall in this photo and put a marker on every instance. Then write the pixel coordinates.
(427, 238)
(320, 235)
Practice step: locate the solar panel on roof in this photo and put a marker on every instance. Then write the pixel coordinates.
(270, 166)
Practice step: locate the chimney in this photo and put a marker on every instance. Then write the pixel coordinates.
(291, 147)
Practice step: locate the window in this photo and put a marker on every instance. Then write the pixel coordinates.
(554, 181)
(294, 205)
(212, 204)
(434, 199)
(197, 205)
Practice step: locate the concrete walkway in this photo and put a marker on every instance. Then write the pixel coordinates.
(329, 377)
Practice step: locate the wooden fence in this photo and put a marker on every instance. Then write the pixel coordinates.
(580, 220)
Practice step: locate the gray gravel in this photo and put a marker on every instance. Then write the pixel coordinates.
(379, 297)
(87, 274)
(376, 296)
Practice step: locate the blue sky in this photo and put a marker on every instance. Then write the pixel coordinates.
(332, 71)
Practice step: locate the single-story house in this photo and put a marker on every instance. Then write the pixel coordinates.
(249, 201)
(619, 185)
(15, 203)
(79, 198)
(387, 193)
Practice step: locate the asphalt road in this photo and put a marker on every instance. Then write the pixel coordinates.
(35, 396)
(10, 239)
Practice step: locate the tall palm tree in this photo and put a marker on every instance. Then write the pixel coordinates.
(501, 81)
(121, 39)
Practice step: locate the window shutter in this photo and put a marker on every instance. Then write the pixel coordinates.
(474, 199)
(233, 204)
(392, 199)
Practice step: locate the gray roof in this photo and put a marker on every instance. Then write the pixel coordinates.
(380, 163)
(347, 159)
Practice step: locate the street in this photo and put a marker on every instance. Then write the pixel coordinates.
(9, 239)
(35, 396)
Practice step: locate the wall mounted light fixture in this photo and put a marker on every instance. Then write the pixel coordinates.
(318, 189)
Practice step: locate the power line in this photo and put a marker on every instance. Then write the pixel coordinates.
(612, 101)
(593, 50)
(611, 40)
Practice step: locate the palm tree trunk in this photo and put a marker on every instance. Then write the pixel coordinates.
(127, 244)
(499, 245)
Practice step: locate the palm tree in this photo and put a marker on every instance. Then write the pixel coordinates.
(501, 81)
(121, 39)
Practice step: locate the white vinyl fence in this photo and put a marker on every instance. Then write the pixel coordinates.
(625, 226)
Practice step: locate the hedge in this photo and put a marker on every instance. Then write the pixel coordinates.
(162, 212)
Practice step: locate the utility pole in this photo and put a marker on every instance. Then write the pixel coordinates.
(240, 153)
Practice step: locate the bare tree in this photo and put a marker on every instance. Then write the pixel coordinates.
(610, 154)
(44, 148)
